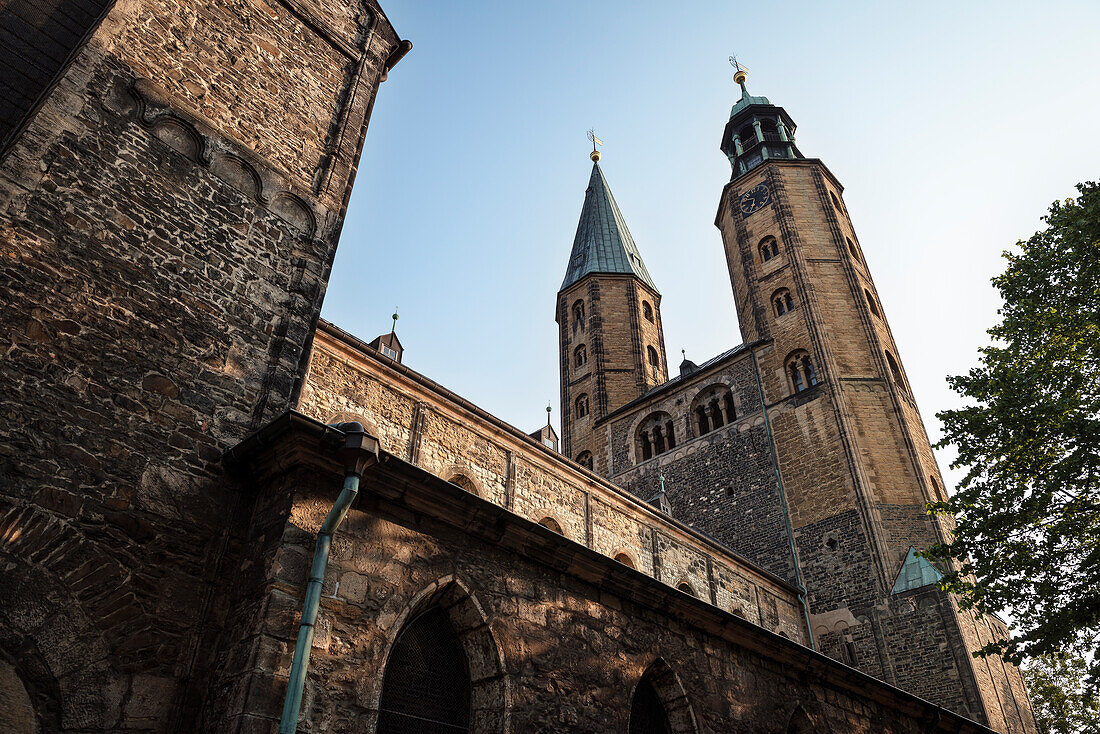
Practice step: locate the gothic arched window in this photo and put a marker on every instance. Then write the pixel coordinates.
(427, 679)
(655, 435)
(578, 315)
(647, 714)
(800, 368)
(581, 405)
(712, 408)
(647, 311)
(782, 301)
(584, 458)
(580, 356)
(769, 248)
(871, 303)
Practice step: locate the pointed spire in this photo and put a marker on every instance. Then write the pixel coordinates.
(603, 243)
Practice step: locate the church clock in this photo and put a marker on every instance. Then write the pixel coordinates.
(754, 199)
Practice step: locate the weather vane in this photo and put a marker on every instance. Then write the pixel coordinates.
(740, 72)
(595, 155)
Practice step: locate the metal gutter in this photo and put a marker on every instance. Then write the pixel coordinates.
(358, 452)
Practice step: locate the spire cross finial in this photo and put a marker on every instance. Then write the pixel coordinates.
(595, 154)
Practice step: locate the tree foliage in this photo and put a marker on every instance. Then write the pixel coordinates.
(1028, 508)
(1056, 684)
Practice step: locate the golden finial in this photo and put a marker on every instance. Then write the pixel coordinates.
(595, 154)
(740, 73)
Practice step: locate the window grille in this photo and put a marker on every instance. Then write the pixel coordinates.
(426, 688)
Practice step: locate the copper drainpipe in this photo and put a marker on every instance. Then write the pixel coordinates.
(359, 451)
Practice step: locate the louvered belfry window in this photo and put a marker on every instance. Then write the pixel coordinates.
(37, 39)
(647, 715)
(426, 688)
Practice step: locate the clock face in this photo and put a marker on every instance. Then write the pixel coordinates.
(754, 199)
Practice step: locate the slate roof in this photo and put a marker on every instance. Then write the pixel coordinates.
(603, 243)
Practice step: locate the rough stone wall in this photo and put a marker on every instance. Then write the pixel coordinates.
(722, 482)
(546, 651)
(854, 459)
(347, 381)
(169, 218)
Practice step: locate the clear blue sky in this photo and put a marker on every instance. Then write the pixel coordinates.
(951, 125)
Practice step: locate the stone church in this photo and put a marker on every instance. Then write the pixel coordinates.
(220, 513)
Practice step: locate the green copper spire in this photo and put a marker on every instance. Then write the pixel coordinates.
(603, 243)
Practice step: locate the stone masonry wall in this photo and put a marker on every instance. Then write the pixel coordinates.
(546, 651)
(722, 482)
(852, 452)
(448, 439)
(169, 218)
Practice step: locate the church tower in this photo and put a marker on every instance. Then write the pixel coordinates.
(854, 459)
(609, 324)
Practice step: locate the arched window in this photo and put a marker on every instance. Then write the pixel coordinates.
(551, 524)
(584, 458)
(625, 560)
(871, 303)
(580, 356)
(937, 491)
(769, 248)
(895, 372)
(852, 249)
(686, 588)
(655, 435)
(465, 482)
(578, 315)
(654, 360)
(712, 408)
(581, 405)
(800, 368)
(748, 136)
(836, 203)
(647, 311)
(782, 301)
(427, 681)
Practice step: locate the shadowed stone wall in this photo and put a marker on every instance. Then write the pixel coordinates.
(169, 217)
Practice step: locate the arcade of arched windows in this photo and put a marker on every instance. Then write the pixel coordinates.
(580, 406)
(712, 408)
(580, 357)
(782, 301)
(769, 248)
(655, 435)
(800, 371)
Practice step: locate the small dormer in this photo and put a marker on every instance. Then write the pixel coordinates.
(546, 436)
(389, 345)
